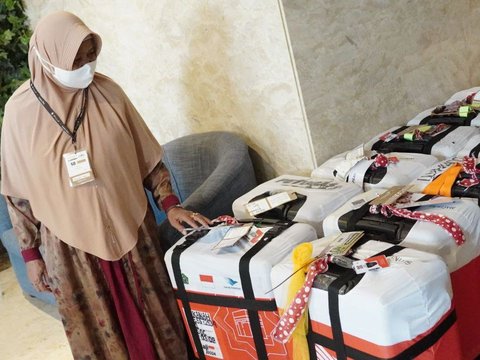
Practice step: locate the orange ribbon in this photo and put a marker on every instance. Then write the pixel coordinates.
(443, 184)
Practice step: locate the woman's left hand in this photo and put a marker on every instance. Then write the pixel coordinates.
(177, 216)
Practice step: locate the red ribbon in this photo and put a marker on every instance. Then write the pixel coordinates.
(290, 318)
(227, 219)
(450, 226)
(382, 160)
(469, 165)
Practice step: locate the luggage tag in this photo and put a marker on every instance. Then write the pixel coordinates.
(373, 263)
(387, 137)
(78, 167)
(260, 206)
(232, 236)
(433, 201)
(463, 111)
(391, 195)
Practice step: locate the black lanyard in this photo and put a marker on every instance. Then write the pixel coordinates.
(78, 120)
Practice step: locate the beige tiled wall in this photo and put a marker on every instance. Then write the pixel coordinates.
(366, 65)
(196, 65)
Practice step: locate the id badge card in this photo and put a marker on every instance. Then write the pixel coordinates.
(78, 167)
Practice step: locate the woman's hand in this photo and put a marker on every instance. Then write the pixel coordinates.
(177, 215)
(37, 274)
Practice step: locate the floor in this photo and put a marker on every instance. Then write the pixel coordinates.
(29, 329)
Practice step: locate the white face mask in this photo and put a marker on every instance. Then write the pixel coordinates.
(77, 79)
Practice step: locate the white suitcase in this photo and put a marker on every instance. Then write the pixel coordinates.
(226, 294)
(408, 167)
(317, 199)
(463, 261)
(387, 313)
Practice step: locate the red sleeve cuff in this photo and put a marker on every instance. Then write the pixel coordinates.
(169, 201)
(31, 254)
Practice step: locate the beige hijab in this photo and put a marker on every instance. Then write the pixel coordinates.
(102, 217)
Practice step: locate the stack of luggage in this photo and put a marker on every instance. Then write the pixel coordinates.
(376, 255)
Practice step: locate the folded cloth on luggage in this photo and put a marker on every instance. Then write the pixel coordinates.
(386, 313)
(442, 141)
(375, 171)
(443, 183)
(316, 198)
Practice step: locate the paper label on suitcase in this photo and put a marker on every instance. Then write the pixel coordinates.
(256, 234)
(270, 202)
(310, 183)
(234, 234)
(357, 174)
(373, 263)
(343, 167)
(206, 332)
(344, 242)
(437, 170)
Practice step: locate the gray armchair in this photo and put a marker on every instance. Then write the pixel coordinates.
(208, 172)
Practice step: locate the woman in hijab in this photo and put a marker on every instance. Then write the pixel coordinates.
(76, 157)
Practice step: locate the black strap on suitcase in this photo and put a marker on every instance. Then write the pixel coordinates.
(249, 303)
(337, 343)
(417, 146)
(374, 176)
(449, 119)
(392, 230)
(471, 192)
